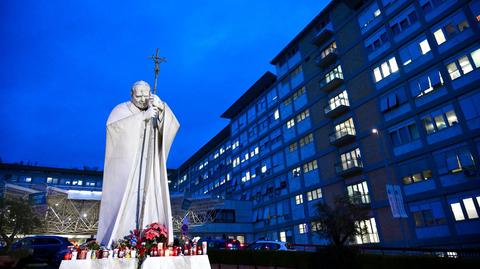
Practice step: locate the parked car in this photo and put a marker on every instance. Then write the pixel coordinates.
(43, 248)
(232, 244)
(270, 245)
(229, 244)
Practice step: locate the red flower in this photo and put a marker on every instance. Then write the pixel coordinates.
(151, 234)
(155, 225)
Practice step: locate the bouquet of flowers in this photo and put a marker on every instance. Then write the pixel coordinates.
(144, 242)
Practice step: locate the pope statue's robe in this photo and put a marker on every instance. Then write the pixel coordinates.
(135, 184)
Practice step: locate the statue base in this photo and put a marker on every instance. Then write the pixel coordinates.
(172, 262)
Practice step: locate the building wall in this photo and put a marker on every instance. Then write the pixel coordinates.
(427, 129)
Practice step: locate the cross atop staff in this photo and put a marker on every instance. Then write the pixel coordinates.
(157, 60)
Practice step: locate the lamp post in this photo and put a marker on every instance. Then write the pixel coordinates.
(390, 177)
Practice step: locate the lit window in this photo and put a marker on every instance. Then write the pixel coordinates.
(417, 177)
(393, 65)
(292, 147)
(299, 199)
(377, 74)
(358, 193)
(283, 236)
(333, 74)
(338, 100)
(303, 115)
(476, 57)
(49, 180)
(264, 169)
(28, 179)
(298, 93)
(385, 69)
(306, 140)
(370, 233)
(470, 208)
(424, 46)
(439, 36)
(276, 115)
(351, 159)
(457, 211)
(310, 166)
(465, 64)
(290, 123)
(314, 194)
(440, 120)
(302, 228)
(453, 71)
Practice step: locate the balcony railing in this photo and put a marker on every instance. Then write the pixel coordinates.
(337, 108)
(331, 82)
(349, 167)
(326, 57)
(360, 198)
(323, 35)
(342, 136)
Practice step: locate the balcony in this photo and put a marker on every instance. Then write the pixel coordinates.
(342, 136)
(323, 35)
(361, 199)
(323, 60)
(327, 85)
(349, 167)
(337, 108)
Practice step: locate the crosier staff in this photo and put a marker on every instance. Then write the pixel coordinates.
(141, 202)
(157, 60)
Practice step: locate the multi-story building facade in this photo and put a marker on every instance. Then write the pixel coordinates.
(377, 100)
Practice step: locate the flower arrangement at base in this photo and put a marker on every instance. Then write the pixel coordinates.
(144, 242)
(151, 241)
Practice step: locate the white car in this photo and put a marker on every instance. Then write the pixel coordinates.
(270, 245)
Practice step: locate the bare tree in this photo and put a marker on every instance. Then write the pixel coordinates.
(339, 223)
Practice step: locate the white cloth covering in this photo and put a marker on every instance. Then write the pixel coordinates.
(177, 262)
(135, 172)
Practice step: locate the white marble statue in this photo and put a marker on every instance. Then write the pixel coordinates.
(135, 184)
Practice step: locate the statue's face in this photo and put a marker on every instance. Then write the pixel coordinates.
(140, 95)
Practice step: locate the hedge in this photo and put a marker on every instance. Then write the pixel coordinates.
(329, 259)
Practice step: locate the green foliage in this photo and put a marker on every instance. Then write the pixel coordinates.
(338, 223)
(16, 217)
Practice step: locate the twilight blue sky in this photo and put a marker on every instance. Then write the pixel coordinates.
(66, 64)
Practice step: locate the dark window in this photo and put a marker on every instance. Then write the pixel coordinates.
(404, 24)
(427, 7)
(413, 17)
(384, 37)
(271, 246)
(450, 29)
(395, 29)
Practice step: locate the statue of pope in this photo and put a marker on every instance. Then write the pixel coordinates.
(135, 184)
